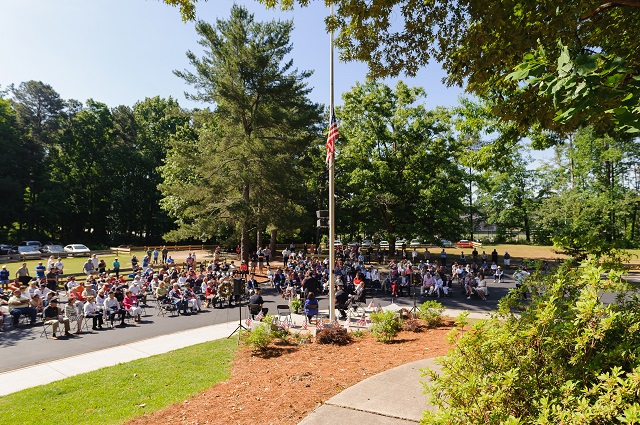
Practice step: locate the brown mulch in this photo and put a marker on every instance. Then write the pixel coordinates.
(289, 381)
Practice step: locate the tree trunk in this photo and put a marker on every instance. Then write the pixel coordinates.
(272, 243)
(244, 241)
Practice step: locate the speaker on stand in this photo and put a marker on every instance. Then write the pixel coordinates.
(238, 292)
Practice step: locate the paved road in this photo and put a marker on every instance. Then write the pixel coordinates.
(24, 347)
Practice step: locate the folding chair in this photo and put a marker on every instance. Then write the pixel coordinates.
(284, 312)
(164, 308)
(45, 327)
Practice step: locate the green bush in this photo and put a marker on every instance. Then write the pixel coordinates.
(431, 312)
(385, 325)
(295, 304)
(567, 358)
(259, 337)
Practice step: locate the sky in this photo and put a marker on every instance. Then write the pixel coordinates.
(121, 51)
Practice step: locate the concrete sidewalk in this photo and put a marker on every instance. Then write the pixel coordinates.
(393, 397)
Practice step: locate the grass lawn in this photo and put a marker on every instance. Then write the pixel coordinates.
(118, 393)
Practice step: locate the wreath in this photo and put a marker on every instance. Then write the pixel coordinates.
(225, 289)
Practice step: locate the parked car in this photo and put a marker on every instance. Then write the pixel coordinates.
(337, 242)
(77, 250)
(5, 249)
(35, 244)
(400, 242)
(52, 247)
(26, 252)
(415, 242)
(445, 243)
(384, 244)
(367, 243)
(464, 243)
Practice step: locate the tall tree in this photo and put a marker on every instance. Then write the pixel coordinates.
(263, 123)
(398, 168)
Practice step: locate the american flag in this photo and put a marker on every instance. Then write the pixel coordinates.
(285, 324)
(331, 138)
(320, 324)
(258, 317)
(304, 325)
(363, 321)
(248, 322)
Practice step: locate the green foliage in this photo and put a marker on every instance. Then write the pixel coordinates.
(385, 325)
(398, 169)
(335, 335)
(600, 85)
(295, 303)
(258, 132)
(145, 385)
(259, 337)
(566, 358)
(431, 312)
(357, 333)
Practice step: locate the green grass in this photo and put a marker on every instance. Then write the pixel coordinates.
(118, 393)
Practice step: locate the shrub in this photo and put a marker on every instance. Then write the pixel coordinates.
(357, 333)
(280, 333)
(567, 358)
(259, 337)
(295, 304)
(385, 325)
(412, 325)
(333, 335)
(431, 312)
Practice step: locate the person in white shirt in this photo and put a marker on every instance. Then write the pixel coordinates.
(481, 289)
(60, 266)
(519, 277)
(91, 310)
(112, 308)
(95, 261)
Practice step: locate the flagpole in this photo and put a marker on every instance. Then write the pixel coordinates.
(332, 204)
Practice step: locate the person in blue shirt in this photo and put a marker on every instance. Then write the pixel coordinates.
(4, 277)
(40, 271)
(116, 267)
(311, 306)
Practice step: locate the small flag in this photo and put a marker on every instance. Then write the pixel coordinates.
(347, 323)
(371, 306)
(336, 323)
(320, 324)
(304, 325)
(331, 138)
(285, 324)
(363, 321)
(258, 317)
(248, 322)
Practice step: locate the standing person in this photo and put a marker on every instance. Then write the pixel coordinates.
(60, 266)
(53, 316)
(443, 257)
(41, 271)
(116, 267)
(285, 257)
(474, 253)
(4, 277)
(96, 262)
(52, 279)
(267, 255)
(155, 255)
(494, 256)
(165, 252)
(414, 256)
(253, 257)
(310, 306)
(260, 254)
(23, 274)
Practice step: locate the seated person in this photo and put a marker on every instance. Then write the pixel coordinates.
(20, 305)
(211, 293)
(53, 316)
(92, 310)
(37, 303)
(193, 300)
(311, 306)
(71, 313)
(130, 303)
(481, 287)
(112, 308)
(256, 299)
(161, 291)
(176, 298)
(341, 298)
(498, 275)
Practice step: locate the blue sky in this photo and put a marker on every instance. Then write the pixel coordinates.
(121, 51)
